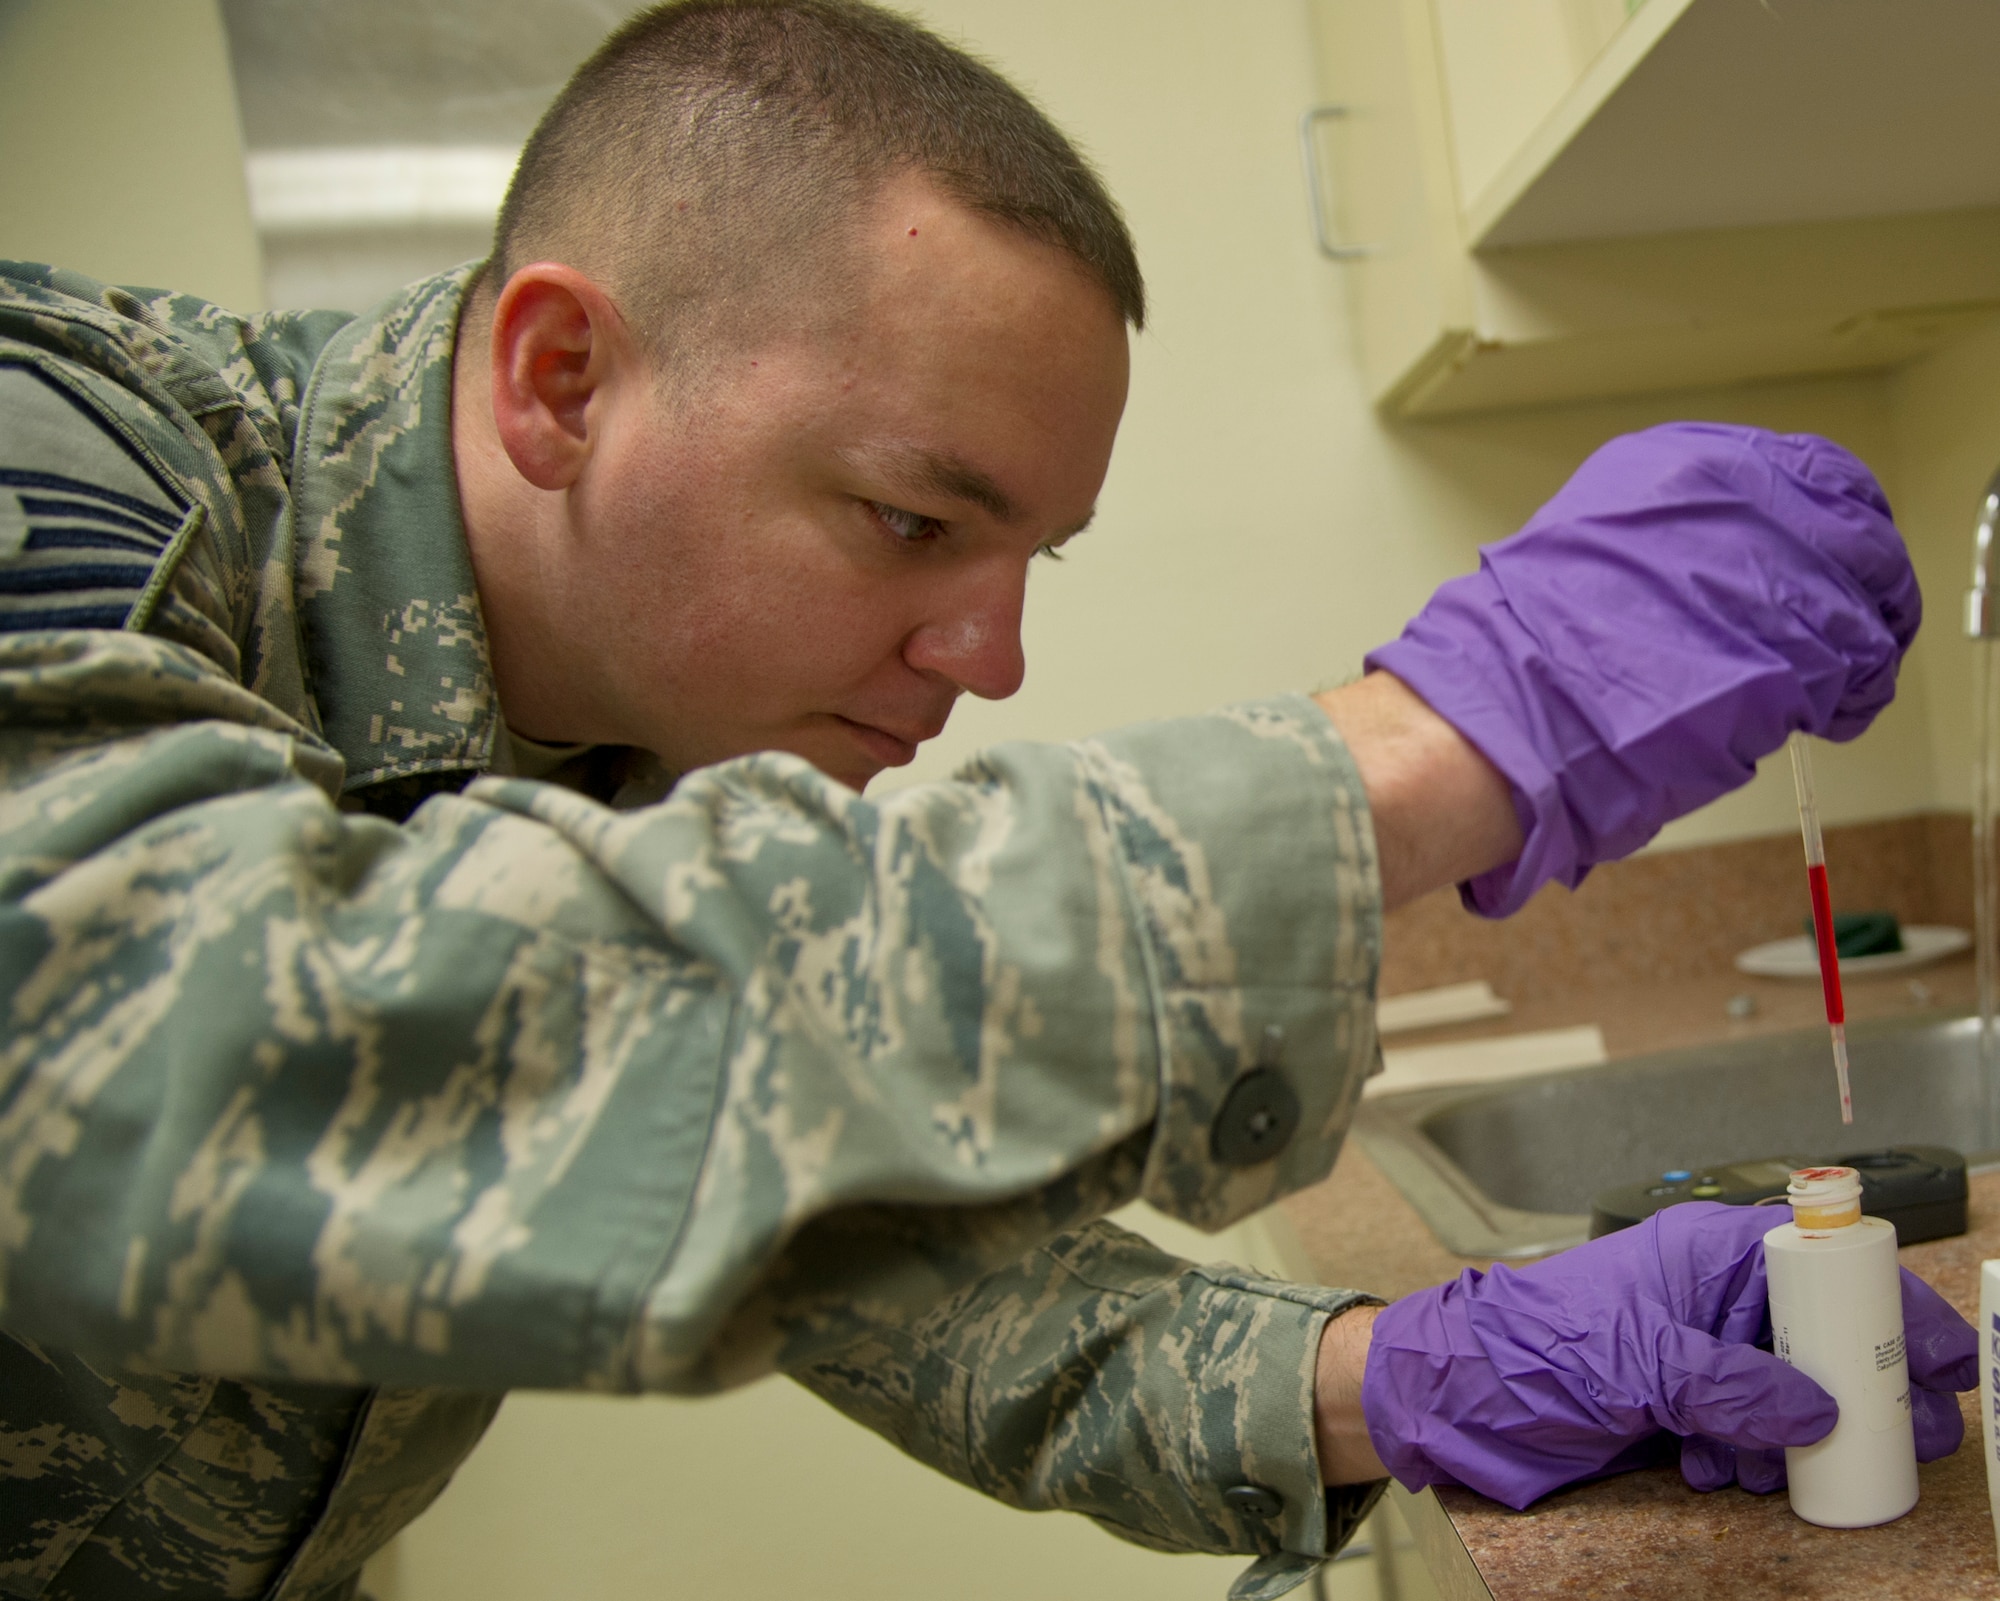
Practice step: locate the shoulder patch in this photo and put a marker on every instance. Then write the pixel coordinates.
(85, 522)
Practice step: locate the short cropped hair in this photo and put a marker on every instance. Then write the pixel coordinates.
(713, 152)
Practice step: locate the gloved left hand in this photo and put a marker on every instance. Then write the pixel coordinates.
(1515, 1383)
(1694, 594)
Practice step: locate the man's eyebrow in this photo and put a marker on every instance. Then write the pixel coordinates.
(936, 472)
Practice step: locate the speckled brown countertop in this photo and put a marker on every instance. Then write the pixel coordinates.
(1637, 1018)
(1645, 1536)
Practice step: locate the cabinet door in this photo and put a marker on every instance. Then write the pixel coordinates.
(1506, 65)
(1596, 302)
(1388, 162)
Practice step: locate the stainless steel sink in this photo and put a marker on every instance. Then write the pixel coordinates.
(1509, 1169)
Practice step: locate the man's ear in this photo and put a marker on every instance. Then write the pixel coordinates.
(558, 340)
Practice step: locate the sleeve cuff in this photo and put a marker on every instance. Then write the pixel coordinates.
(1248, 859)
(1272, 1445)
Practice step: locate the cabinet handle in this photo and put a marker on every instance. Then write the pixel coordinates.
(1332, 249)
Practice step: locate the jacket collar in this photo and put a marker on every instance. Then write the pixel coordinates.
(395, 645)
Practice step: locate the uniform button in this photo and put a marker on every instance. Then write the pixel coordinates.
(1254, 1499)
(1259, 1116)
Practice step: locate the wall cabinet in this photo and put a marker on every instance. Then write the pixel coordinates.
(1558, 200)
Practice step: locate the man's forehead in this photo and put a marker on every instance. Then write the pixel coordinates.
(911, 231)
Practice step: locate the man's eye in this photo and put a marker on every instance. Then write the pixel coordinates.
(906, 525)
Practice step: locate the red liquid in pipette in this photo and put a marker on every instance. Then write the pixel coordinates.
(1822, 905)
(1829, 958)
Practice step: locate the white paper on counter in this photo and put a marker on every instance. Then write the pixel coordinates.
(1450, 1003)
(1424, 1067)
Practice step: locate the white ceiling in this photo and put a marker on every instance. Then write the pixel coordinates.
(380, 133)
(401, 72)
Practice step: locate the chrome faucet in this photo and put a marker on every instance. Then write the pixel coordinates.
(1982, 626)
(1982, 617)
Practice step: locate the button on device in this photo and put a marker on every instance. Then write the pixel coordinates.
(1259, 1116)
(1676, 1175)
(1706, 1192)
(1664, 1189)
(1254, 1499)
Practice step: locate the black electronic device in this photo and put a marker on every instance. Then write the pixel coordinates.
(1919, 1188)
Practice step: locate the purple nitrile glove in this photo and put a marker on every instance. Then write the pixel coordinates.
(1693, 595)
(1515, 1383)
(1943, 1353)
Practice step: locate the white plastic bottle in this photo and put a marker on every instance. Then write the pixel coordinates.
(1989, 1382)
(1837, 1316)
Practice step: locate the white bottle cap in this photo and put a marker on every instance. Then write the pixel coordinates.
(1824, 1186)
(1825, 1197)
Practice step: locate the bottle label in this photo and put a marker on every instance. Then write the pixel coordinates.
(1888, 1382)
(1881, 1401)
(1993, 1419)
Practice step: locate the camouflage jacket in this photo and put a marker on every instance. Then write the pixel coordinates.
(345, 1086)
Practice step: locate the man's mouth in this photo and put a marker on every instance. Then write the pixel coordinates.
(891, 750)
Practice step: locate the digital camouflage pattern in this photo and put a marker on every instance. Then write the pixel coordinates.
(345, 1086)
(1100, 1375)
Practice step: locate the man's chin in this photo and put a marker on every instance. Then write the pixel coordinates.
(850, 753)
(855, 775)
(838, 758)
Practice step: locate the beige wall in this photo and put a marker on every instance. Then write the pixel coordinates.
(122, 156)
(1261, 528)
(1947, 425)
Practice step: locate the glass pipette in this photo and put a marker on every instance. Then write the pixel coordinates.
(1822, 917)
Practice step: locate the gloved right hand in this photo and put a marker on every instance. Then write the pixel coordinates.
(1516, 1383)
(1692, 596)
(1943, 1351)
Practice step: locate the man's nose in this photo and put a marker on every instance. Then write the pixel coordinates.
(975, 638)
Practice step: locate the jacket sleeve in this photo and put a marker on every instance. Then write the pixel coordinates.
(532, 1092)
(1101, 1375)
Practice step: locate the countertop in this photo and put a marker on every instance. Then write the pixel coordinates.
(1638, 1018)
(1645, 1536)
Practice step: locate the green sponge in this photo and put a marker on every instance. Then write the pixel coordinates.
(1864, 933)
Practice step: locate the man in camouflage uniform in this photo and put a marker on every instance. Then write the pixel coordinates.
(363, 1063)
(419, 986)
